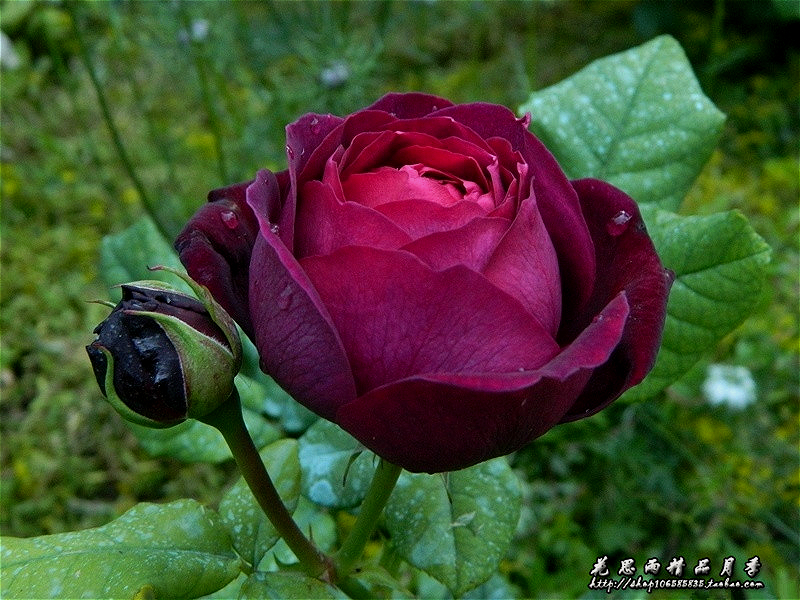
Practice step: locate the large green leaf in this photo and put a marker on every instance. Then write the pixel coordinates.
(288, 586)
(455, 527)
(637, 119)
(336, 468)
(250, 529)
(720, 267)
(176, 550)
(125, 256)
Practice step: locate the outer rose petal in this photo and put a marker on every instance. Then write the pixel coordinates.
(215, 248)
(399, 318)
(297, 343)
(410, 105)
(436, 423)
(626, 260)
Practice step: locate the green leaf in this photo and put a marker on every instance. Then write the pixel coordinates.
(293, 416)
(455, 527)
(720, 267)
(250, 529)
(288, 586)
(125, 256)
(336, 468)
(193, 441)
(637, 119)
(312, 520)
(180, 550)
(380, 583)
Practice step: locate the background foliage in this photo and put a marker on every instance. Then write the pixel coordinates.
(200, 93)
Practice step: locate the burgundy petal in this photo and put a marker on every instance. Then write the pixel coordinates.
(295, 337)
(215, 248)
(471, 245)
(436, 423)
(388, 184)
(558, 202)
(526, 266)
(409, 105)
(626, 261)
(398, 318)
(419, 218)
(326, 224)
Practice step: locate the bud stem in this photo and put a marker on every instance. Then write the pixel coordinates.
(227, 418)
(380, 489)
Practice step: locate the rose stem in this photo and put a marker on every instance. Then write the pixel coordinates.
(380, 489)
(227, 418)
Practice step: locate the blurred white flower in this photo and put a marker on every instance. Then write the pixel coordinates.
(9, 58)
(335, 74)
(730, 385)
(198, 31)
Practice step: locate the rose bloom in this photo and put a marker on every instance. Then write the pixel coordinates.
(424, 275)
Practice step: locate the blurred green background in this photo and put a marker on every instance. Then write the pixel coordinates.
(200, 92)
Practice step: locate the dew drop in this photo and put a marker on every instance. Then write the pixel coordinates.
(290, 151)
(229, 218)
(618, 223)
(315, 126)
(284, 299)
(274, 228)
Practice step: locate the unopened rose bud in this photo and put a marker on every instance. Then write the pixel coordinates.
(163, 356)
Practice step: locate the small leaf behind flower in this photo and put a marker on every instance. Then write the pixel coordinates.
(176, 550)
(720, 264)
(461, 539)
(336, 469)
(125, 256)
(637, 119)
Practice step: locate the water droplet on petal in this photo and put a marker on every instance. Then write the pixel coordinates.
(284, 299)
(619, 223)
(229, 218)
(274, 228)
(290, 151)
(315, 126)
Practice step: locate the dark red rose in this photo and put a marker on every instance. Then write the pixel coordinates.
(424, 275)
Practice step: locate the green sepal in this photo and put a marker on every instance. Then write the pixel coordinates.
(218, 314)
(115, 401)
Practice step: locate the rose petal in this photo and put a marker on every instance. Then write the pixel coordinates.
(558, 202)
(526, 266)
(626, 261)
(419, 218)
(398, 318)
(409, 105)
(471, 245)
(215, 248)
(388, 184)
(296, 340)
(325, 224)
(436, 423)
